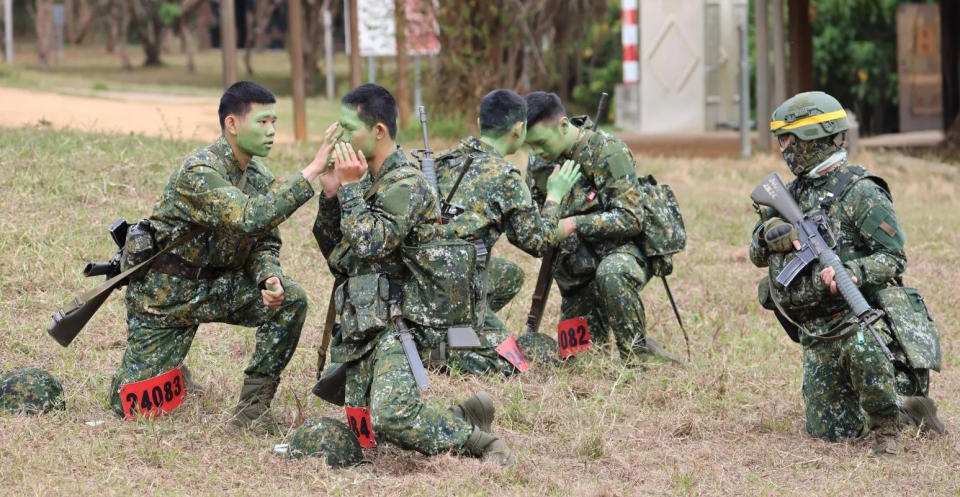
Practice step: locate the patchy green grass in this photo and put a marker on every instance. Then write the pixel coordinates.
(729, 423)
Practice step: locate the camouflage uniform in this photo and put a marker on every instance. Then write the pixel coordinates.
(364, 228)
(496, 200)
(844, 381)
(600, 269)
(240, 243)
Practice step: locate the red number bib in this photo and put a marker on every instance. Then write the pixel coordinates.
(358, 419)
(509, 350)
(148, 398)
(573, 336)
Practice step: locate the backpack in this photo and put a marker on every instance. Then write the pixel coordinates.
(663, 230)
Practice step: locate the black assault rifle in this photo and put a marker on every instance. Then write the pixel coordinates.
(813, 236)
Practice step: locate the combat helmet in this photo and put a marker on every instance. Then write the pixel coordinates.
(30, 391)
(326, 437)
(809, 115)
(810, 128)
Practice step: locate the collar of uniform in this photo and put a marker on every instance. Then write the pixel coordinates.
(393, 161)
(584, 125)
(477, 145)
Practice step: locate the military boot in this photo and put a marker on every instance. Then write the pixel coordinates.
(922, 412)
(656, 349)
(190, 385)
(489, 448)
(253, 408)
(478, 410)
(886, 435)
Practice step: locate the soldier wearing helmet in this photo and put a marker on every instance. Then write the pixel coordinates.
(850, 389)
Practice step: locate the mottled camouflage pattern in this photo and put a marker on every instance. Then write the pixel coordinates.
(912, 324)
(327, 438)
(365, 236)
(539, 348)
(847, 380)
(843, 383)
(241, 225)
(612, 304)
(30, 391)
(443, 289)
(601, 270)
(496, 200)
(164, 311)
(241, 238)
(802, 156)
(505, 282)
(382, 380)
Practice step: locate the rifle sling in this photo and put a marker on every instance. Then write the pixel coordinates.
(108, 285)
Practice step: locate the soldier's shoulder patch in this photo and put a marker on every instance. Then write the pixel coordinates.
(619, 160)
(396, 198)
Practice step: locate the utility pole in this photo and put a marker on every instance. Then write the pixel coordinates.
(355, 76)
(763, 76)
(295, 21)
(228, 41)
(8, 29)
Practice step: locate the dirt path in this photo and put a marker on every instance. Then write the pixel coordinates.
(181, 118)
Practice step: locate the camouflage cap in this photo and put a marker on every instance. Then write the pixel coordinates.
(328, 437)
(30, 391)
(538, 347)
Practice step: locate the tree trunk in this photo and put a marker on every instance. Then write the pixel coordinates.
(44, 28)
(403, 61)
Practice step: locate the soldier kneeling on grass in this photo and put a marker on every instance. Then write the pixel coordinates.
(220, 210)
(850, 388)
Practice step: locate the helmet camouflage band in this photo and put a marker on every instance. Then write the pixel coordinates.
(327, 438)
(809, 116)
(30, 391)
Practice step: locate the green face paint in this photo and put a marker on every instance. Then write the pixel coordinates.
(546, 141)
(257, 130)
(356, 132)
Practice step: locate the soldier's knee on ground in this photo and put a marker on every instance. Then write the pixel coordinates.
(394, 418)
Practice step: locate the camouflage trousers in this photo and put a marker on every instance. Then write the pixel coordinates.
(611, 304)
(382, 380)
(163, 313)
(844, 382)
(504, 283)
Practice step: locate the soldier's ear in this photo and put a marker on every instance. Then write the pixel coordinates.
(230, 124)
(517, 130)
(381, 130)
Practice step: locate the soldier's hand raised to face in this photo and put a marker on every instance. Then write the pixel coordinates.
(273, 295)
(562, 179)
(319, 163)
(348, 164)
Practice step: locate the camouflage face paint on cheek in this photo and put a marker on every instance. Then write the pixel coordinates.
(256, 134)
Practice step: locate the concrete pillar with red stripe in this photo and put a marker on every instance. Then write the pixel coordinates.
(629, 37)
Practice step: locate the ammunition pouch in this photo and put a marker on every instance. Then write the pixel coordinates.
(362, 303)
(444, 288)
(139, 246)
(912, 325)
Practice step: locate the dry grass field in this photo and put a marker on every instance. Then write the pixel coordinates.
(728, 423)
